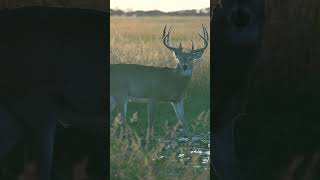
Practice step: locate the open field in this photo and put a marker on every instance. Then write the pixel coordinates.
(138, 41)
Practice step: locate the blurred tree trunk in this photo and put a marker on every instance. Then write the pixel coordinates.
(290, 52)
(284, 101)
(288, 72)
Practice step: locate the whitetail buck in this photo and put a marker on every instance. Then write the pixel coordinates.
(153, 85)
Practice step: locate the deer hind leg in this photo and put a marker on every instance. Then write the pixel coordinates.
(179, 109)
(152, 108)
(113, 104)
(123, 106)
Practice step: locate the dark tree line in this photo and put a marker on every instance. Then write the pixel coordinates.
(193, 12)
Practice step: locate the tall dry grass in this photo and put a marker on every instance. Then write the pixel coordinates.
(130, 160)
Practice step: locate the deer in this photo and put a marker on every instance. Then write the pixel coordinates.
(153, 85)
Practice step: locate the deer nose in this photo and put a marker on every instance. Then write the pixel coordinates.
(241, 17)
(184, 67)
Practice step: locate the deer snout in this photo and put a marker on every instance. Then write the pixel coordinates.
(184, 67)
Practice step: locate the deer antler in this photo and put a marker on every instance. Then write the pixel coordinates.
(205, 38)
(166, 38)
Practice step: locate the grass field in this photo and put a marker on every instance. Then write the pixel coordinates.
(138, 41)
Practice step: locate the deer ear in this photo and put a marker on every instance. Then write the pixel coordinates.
(197, 55)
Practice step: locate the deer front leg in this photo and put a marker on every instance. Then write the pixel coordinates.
(113, 103)
(152, 108)
(123, 105)
(179, 109)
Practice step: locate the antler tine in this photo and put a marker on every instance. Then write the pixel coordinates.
(166, 40)
(164, 32)
(168, 35)
(206, 32)
(192, 45)
(169, 30)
